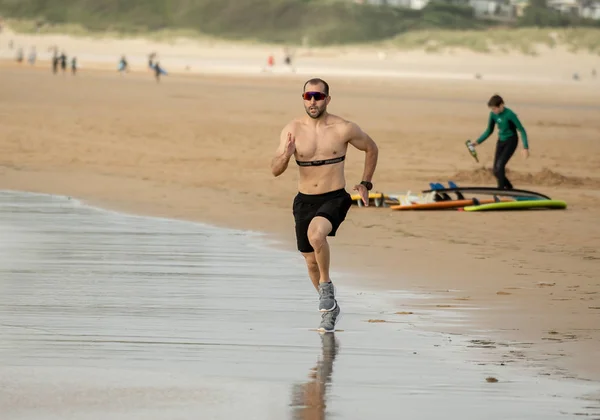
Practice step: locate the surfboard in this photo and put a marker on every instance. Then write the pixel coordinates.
(519, 205)
(440, 205)
(375, 198)
(371, 195)
(161, 71)
(489, 191)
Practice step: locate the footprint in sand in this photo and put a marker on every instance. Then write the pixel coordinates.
(565, 336)
(483, 344)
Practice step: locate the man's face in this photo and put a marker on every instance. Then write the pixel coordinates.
(497, 109)
(315, 100)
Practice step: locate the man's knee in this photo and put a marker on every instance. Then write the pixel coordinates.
(318, 231)
(317, 239)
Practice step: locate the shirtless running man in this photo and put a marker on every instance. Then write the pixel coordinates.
(319, 142)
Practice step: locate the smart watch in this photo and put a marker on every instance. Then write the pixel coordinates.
(367, 184)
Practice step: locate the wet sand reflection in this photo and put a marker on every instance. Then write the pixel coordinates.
(309, 399)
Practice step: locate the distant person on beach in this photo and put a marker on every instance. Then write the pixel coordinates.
(63, 62)
(287, 59)
(319, 142)
(54, 63)
(74, 66)
(32, 56)
(151, 58)
(157, 71)
(270, 63)
(55, 59)
(123, 65)
(508, 139)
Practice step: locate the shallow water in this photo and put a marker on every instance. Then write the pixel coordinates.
(107, 315)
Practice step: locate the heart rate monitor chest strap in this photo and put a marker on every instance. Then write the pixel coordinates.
(321, 162)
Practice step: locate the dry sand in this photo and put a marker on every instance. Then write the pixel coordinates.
(198, 147)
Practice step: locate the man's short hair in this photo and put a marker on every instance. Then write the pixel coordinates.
(316, 81)
(495, 101)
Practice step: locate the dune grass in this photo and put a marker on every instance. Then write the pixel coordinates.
(506, 40)
(524, 40)
(295, 22)
(167, 35)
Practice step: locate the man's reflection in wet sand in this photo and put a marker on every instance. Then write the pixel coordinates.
(308, 399)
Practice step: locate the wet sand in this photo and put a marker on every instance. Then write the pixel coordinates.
(109, 314)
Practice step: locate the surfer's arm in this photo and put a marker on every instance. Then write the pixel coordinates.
(280, 161)
(362, 141)
(521, 129)
(489, 130)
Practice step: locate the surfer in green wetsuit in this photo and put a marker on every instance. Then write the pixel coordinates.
(508, 139)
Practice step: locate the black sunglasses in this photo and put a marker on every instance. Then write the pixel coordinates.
(319, 96)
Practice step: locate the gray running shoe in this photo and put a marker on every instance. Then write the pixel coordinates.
(326, 297)
(329, 319)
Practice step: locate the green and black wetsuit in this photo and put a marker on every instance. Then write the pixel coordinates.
(508, 124)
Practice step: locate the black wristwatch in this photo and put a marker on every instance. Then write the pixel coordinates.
(367, 184)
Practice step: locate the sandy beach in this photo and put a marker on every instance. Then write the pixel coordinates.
(197, 147)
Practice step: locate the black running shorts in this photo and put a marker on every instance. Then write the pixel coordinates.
(333, 206)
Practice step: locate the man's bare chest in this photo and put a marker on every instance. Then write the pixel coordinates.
(319, 146)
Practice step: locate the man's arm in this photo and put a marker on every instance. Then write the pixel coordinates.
(362, 141)
(521, 129)
(489, 130)
(284, 152)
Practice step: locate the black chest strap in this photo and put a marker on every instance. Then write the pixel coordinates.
(321, 162)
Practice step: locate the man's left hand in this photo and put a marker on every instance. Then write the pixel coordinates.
(364, 194)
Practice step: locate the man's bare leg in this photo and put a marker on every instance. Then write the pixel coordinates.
(318, 230)
(313, 268)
